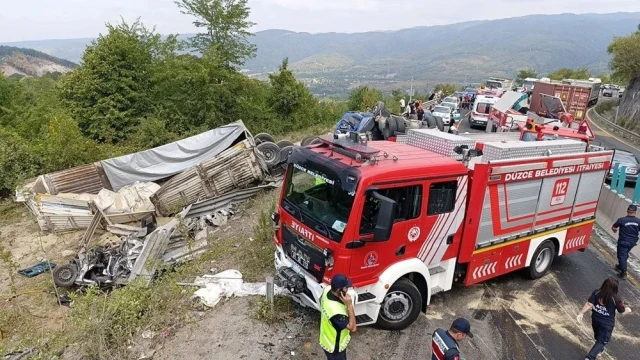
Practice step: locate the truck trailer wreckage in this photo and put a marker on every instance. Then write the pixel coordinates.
(199, 179)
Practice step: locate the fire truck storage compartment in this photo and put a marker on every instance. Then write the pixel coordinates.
(521, 199)
(574, 97)
(492, 263)
(577, 237)
(526, 149)
(439, 142)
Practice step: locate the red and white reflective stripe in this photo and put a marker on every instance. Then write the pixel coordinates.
(575, 242)
(435, 245)
(513, 261)
(484, 270)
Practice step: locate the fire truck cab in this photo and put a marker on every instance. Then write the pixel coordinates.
(405, 221)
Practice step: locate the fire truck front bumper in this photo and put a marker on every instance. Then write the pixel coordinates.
(304, 289)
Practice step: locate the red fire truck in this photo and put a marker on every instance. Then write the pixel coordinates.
(407, 221)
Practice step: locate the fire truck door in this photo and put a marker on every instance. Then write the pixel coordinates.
(369, 260)
(445, 211)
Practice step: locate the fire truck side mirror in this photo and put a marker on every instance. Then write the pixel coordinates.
(386, 217)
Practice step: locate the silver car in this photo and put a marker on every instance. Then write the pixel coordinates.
(630, 161)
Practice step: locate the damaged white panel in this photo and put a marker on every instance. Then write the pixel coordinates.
(226, 284)
(170, 159)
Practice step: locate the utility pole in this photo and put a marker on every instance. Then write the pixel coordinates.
(411, 91)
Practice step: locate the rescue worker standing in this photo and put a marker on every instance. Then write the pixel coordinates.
(444, 343)
(603, 303)
(629, 227)
(337, 318)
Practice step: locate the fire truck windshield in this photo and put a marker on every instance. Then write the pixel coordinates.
(319, 197)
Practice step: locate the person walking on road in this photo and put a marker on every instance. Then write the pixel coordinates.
(337, 318)
(402, 105)
(444, 343)
(603, 303)
(629, 227)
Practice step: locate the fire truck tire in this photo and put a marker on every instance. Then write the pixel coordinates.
(542, 260)
(401, 306)
(65, 275)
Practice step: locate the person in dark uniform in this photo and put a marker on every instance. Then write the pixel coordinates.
(444, 343)
(337, 318)
(629, 227)
(603, 303)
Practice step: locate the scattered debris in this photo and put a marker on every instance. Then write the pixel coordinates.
(37, 269)
(226, 284)
(18, 355)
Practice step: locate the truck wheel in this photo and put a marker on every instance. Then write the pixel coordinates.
(542, 260)
(390, 128)
(65, 275)
(400, 307)
(400, 124)
(284, 143)
(270, 152)
(439, 123)
(306, 141)
(263, 137)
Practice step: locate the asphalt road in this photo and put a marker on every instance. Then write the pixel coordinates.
(514, 318)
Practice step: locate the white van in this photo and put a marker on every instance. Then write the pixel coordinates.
(481, 108)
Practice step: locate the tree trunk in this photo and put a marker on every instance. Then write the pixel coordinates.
(630, 103)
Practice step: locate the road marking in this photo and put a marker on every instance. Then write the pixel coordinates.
(614, 261)
(591, 122)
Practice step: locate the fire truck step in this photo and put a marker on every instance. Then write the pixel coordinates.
(363, 319)
(436, 270)
(364, 297)
(436, 289)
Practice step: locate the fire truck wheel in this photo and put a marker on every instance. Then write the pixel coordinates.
(401, 306)
(542, 260)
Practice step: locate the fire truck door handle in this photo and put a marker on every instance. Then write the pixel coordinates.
(401, 250)
(450, 239)
(290, 209)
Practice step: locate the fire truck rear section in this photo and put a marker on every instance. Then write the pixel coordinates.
(512, 206)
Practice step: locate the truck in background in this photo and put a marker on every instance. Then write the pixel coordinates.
(499, 84)
(407, 221)
(595, 85)
(577, 97)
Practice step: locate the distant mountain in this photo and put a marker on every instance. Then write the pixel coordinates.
(469, 51)
(29, 62)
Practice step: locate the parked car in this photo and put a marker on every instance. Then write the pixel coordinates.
(451, 99)
(630, 161)
(452, 105)
(443, 112)
(608, 92)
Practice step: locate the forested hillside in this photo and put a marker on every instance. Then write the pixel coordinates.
(29, 62)
(136, 89)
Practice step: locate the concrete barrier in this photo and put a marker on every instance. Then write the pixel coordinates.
(611, 207)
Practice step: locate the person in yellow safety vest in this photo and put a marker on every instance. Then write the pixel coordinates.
(337, 318)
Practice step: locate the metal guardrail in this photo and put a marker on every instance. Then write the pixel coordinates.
(601, 118)
(619, 179)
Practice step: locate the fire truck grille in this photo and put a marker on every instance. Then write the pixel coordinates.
(303, 253)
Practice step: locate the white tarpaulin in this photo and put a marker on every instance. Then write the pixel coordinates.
(170, 159)
(510, 100)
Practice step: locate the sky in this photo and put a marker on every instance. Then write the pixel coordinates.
(65, 19)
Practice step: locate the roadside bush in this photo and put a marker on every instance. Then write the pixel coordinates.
(17, 161)
(605, 106)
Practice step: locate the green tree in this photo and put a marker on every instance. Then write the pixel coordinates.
(110, 92)
(289, 98)
(17, 161)
(364, 98)
(566, 73)
(447, 89)
(625, 57)
(226, 28)
(604, 77)
(526, 73)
